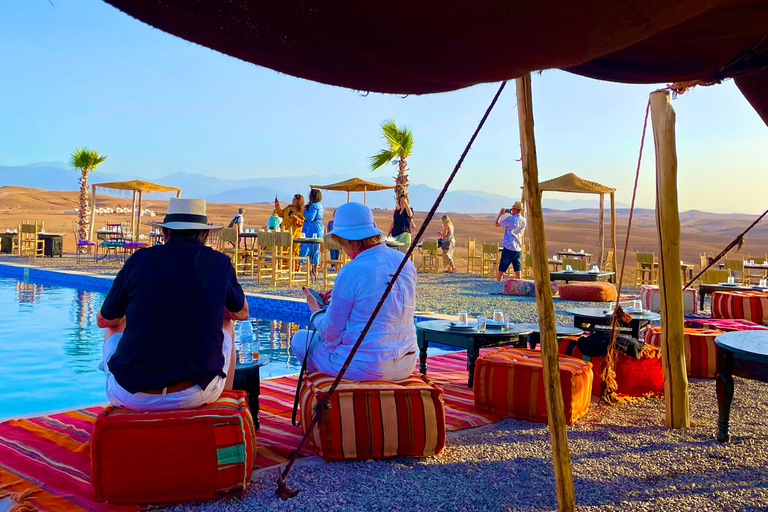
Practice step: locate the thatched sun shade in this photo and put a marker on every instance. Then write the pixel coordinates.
(355, 185)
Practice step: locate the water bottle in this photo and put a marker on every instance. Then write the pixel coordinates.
(246, 342)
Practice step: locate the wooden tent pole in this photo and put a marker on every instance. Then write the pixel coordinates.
(561, 457)
(178, 193)
(347, 195)
(601, 232)
(138, 220)
(614, 259)
(670, 279)
(133, 216)
(93, 212)
(365, 196)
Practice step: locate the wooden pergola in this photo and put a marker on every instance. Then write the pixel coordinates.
(355, 185)
(138, 187)
(572, 184)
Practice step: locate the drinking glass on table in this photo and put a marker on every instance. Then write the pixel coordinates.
(763, 283)
(637, 304)
(481, 323)
(498, 316)
(462, 318)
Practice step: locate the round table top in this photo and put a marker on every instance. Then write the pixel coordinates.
(603, 313)
(746, 344)
(574, 253)
(303, 240)
(258, 363)
(444, 327)
(50, 234)
(560, 330)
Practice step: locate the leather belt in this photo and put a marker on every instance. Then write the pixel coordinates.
(181, 386)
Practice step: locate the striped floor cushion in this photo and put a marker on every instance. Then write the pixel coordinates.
(634, 377)
(651, 298)
(752, 306)
(511, 382)
(590, 292)
(182, 455)
(700, 350)
(374, 420)
(724, 324)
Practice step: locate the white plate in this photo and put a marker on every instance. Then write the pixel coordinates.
(490, 324)
(460, 327)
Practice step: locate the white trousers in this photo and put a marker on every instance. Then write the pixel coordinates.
(188, 398)
(329, 362)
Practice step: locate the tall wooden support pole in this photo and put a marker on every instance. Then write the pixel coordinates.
(348, 196)
(365, 195)
(138, 220)
(561, 457)
(133, 216)
(601, 232)
(93, 212)
(670, 279)
(614, 265)
(178, 193)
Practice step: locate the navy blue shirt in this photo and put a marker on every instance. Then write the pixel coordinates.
(173, 297)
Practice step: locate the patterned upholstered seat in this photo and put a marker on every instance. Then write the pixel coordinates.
(700, 350)
(744, 305)
(374, 420)
(511, 382)
(590, 292)
(170, 456)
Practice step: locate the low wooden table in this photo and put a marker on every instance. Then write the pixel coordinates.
(438, 331)
(248, 236)
(580, 275)
(743, 354)
(53, 244)
(707, 289)
(561, 331)
(248, 379)
(584, 255)
(6, 242)
(592, 319)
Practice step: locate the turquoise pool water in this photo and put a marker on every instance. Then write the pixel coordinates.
(50, 347)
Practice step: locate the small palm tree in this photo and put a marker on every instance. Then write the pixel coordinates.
(399, 146)
(84, 161)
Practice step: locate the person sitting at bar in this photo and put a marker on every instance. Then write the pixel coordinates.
(169, 319)
(389, 350)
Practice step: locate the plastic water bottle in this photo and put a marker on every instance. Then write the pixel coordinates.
(246, 342)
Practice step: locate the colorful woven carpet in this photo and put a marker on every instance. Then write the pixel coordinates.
(51, 454)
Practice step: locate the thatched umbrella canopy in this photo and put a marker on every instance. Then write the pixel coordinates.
(355, 185)
(572, 184)
(137, 187)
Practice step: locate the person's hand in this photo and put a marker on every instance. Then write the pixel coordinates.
(277, 203)
(311, 301)
(502, 211)
(326, 295)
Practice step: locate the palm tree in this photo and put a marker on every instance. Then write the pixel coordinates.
(85, 161)
(399, 147)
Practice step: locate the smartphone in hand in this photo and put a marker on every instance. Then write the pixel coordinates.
(319, 298)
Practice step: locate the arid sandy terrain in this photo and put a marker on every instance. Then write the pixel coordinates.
(576, 229)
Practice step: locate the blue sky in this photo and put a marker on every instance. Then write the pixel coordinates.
(82, 73)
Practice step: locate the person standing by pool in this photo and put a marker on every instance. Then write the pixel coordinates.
(514, 227)
(313, 228)
(293, 217)
(169, 319)
(449, 243)
(402, 223)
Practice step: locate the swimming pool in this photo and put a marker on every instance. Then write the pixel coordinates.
(50, 345)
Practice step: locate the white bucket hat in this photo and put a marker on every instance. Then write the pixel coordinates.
(354, 221)
(185, 214)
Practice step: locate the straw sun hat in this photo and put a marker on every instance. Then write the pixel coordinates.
(185, 214)
(354, 221)
(518, 205)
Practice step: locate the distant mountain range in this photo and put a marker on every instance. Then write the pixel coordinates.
(58, 176)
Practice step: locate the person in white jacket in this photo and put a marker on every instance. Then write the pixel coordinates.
(389, 350)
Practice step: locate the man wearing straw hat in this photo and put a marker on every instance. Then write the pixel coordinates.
(514, 227)
(169, 319)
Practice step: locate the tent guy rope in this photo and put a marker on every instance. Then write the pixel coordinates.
(285, 492)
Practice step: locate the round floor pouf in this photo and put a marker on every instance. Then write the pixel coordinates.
(589, 292)
(752, 306)
(700, 350)
(511, 382)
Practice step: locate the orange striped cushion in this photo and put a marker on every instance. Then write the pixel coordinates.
(374, 420)
(752, 306)
(700, 350)
(511, 382)
(177, 455)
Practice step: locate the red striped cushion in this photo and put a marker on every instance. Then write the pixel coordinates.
(724, 324)
(181, 455)
(568, 347)
(700, 350)
(374, 420)
(752, 306)
(511, 382)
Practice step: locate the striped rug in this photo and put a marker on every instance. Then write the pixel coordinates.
(51, 454)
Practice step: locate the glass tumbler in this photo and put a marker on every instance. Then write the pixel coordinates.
(481, 323)
(498, 316)
(462, 318)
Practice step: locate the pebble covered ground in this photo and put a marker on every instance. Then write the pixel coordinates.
(623, 459)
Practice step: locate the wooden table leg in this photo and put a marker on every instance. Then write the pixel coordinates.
(472, 355)
(423, 345)
(701, 300)
(724, 390)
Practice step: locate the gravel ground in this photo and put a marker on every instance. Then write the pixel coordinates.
(623, 460)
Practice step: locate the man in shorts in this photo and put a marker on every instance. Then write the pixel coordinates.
(514, 227)
(169, 319)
